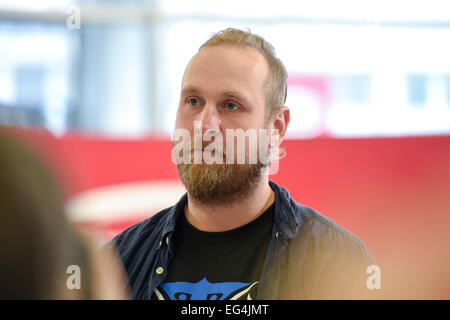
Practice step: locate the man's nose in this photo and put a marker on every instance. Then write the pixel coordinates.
(210, 118)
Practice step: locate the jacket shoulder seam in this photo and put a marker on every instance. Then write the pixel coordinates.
(347, 234)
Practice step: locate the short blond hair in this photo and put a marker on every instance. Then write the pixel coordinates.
(275, 86)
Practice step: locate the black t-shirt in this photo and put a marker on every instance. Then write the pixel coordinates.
(217, 265)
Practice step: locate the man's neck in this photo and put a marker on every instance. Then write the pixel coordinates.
(218, 218)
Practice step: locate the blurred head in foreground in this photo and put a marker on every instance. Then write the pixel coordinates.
(41, 255)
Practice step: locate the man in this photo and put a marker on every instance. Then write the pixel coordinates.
(235, 234)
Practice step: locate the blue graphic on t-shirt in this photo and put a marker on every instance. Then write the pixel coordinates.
(205, 290)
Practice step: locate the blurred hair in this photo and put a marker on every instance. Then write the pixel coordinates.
(275, 84)
(37, 244)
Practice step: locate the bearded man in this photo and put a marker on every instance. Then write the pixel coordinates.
(235, 234)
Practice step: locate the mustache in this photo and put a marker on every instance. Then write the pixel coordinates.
(191, 151)
(207, 145)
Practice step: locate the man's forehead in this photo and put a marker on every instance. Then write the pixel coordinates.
(238, 56)
(242, 62)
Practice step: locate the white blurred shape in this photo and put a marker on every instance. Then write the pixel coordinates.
(127, 201)
(305, 113)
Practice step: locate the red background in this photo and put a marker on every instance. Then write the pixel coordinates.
(393, 193)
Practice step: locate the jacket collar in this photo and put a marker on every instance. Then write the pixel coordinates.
(172, 215)
(286, 222)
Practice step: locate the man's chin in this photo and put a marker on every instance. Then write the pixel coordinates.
(219, 184)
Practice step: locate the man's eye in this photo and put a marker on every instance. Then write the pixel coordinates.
(231, 106)
(193, 101)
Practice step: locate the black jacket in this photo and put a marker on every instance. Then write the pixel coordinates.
(309, 255)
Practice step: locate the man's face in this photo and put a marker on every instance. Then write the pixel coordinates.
(223, 87)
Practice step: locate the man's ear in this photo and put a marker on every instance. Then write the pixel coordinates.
(280, 121)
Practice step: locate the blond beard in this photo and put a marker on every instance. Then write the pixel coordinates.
(220, 184)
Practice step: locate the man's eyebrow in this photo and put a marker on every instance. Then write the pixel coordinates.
(187, 90)
(238, 96)
(235, 95)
